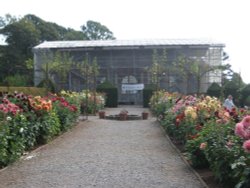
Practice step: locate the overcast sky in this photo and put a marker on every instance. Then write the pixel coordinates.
(225, 21)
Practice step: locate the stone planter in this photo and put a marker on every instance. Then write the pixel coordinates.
(123, 116)
(101, 114)
(144, 115)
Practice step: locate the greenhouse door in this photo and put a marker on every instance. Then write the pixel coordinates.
(130, 91)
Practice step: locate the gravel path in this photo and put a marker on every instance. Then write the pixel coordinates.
(105, 154)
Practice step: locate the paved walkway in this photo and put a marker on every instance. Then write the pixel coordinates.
(104, 154)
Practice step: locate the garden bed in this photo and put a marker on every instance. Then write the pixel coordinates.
(205, 173)
(212, 136)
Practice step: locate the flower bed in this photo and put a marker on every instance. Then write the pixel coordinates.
(91, 102)
(28, 121)
(213, 137)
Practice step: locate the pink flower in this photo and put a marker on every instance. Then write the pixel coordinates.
(242, 129)
(246, 146)
(5, 110)
(246, 122)
(203, 145)
(239, 130)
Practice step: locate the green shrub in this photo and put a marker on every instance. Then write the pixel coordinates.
(26, 90)
(14, 133)
(48, 84)
(49, 127)
(245, 93)
(214, 90)
(67, 113)
(147, 94)
(223, 150)
(111, 94)
(3, 144)
(231, 88)
(17, 80)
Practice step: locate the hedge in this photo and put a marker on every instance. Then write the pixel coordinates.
(26, 90)
(147, 94)
(111, 93)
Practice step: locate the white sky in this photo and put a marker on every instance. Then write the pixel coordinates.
(225, 21)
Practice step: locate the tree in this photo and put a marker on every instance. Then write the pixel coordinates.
(8, 19)
(21, 36)
(57, 70)
(181, 68)
(233, 85)
(158, 67)
(195, 68)
(96, 31)
(245, 96)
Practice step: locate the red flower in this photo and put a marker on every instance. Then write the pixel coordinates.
(198, 127)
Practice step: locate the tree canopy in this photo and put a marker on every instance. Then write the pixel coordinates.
(22, 34)
(96, 31)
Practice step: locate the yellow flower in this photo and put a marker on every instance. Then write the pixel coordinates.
(190, 111)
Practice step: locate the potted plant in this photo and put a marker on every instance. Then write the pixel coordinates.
(101, 114)
(123, 115)
(145, 114)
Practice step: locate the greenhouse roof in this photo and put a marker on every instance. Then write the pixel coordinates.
(127, 43)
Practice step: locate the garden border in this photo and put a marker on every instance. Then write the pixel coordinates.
(44, 145)
(182, 157)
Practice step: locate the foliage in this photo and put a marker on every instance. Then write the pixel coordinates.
(211, 136)
(231, 88)
(105, 85)
(59, 67)
(27, 121)
(161, 101)
(48, 85)
(244, 95)
(26, 90)
(94, 102)
(16, 80)
(96, 31)
(22, 34)
(195, 68)
(147, 94)
(158, 67)
(65, 110)
(49, 126)
(111, 94)
(214, 90)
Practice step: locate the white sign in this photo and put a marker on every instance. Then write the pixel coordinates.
(132, 87)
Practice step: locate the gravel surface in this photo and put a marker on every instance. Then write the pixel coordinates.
(106, 154)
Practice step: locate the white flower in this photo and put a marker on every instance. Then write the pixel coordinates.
(22, 117)
(21, 130)
(8, 118)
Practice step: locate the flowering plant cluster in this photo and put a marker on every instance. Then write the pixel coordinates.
(91, 102)
(63, 102)
(27, 121)
(161, 101)
(7, 107)
(39, 103)
(213, 136)
(242, 129)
